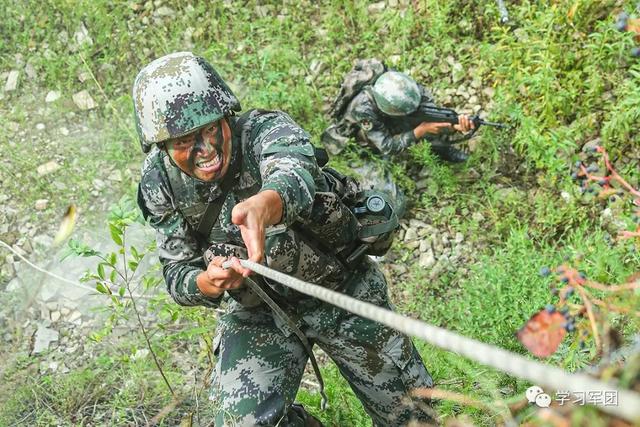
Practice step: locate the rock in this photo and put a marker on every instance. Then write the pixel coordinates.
(489, 92)
(413, 244)
(165, 11)
(393, 3)
(591, 146)
(477, 216)
(43, 241)
(376, 7)
(13, 126)
(427, 232)
(65, 311)
(410, 235)
(473, 100)
(262, 11)
(416, 223)
(12, 81)
(30, 71)
(82, 36)
(425, 245)
(457, 72)
(83, 76)
(48, 168)
(459, 238)
(14, 284)
(140, 353)
(52, 96)
(64, 131)
(75, 317)
(40, 126)
(55, 316)
(422, 184)
(41, 204)
(43, 339)
(427, 260)
(84, 101)
(565, 196)
(99, 184)
(116, 175)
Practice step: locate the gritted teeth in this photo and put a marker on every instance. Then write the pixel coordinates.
(208, 163)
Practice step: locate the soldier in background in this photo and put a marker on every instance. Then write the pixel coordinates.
(250, 187)
(374, 107)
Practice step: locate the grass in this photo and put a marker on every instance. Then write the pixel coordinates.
(562, 76)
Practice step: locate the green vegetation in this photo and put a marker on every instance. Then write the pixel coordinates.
(562, 76)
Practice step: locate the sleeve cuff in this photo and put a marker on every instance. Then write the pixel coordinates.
(192, 289)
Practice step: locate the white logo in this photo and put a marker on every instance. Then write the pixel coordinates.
(536, 395)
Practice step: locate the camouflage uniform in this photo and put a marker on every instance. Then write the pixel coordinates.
(260, 362)
(387, 135)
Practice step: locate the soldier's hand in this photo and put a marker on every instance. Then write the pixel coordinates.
(431, 128)
(465, 124)
(215, 280)
(253, 216)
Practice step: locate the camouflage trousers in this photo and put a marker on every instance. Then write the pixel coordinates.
(260, 361)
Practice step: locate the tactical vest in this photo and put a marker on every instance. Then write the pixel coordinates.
(324, 248)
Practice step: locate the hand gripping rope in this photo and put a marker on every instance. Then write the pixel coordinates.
(503, 360)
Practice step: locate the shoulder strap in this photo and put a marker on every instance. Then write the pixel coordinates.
(212, 212)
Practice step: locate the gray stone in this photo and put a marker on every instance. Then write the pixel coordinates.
(425, 245)
(413, 244)
(55, 316)
(83, 76)
(416, 223)
(116, 175)
(30, 71)
(43, 339)
(40, 126)
(376, 7)
(64, 131)
(52, 96)
(82, 36)
(48, 168)
(459, 238)
(477, 216)
(12, 81)
(489, 92)
(42, 241)
(41, 204)
(84, 101)
(410, 235)
(427, 260)
(99, 184)
(75, 315)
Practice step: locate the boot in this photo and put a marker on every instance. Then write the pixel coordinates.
(448, 153)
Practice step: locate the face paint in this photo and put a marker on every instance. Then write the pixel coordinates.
(203, 154)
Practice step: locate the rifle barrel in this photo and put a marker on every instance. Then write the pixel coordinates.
(494, 124)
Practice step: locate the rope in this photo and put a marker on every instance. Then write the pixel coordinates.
(55, 276)
(503, 360)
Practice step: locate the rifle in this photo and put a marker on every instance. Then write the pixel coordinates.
(447, 115)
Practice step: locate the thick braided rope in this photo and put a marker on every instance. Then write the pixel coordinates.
(503, 360)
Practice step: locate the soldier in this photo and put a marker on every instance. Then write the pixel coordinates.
(250, 186)
(378, 114)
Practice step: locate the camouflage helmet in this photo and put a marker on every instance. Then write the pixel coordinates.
(396, 94)
(177, 94)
